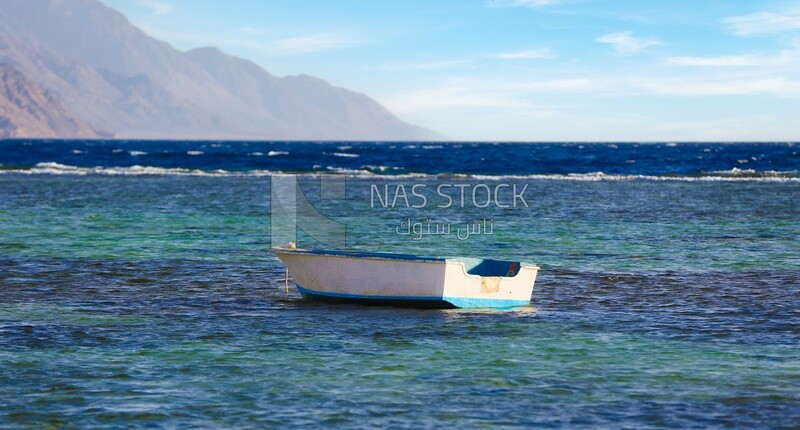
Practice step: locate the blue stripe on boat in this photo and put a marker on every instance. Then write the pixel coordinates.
(313, 293)
(414, 301)
(472, 303)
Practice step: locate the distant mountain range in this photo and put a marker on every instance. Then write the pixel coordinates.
(87, 64)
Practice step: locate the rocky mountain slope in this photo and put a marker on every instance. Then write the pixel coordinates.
(114, 76)
(27, 110)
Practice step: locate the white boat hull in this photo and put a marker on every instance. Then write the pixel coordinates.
(405, 280)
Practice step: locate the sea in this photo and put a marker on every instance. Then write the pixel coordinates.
(137, 290)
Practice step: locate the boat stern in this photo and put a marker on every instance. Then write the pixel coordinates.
(473, 283)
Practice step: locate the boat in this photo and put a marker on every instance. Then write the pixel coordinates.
(376, 278)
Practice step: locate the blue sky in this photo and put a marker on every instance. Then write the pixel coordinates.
(525, 70)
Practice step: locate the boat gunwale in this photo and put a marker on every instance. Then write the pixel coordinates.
(385, 256)
(358, 254)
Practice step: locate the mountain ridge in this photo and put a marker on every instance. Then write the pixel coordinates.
(115, 76)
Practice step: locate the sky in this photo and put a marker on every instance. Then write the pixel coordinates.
(525, 70)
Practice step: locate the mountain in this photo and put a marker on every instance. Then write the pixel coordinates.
(116, 77)
(294, 102)
(27, 110)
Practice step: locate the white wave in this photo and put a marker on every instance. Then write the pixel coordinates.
(733, 175)
(257, 154)
(353, 172)
(751, 172)
(345, 154)
(274, 153)
(432, 146)
(344, 148)
(137, 153)
(117, 150)
(195, 152)
(381, 168)
(361, 173)
(77, 151)
(600, 176)
(734, 171)
(63, 169)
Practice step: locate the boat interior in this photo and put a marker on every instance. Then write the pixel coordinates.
(488, 267)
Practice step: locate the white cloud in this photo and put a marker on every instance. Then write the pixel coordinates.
(439, 65)
(750, 127)
(522, 3)
(449, 97)
(764, 23)
(533, 54)
(516, 96)
(522, 96)
(430, 65)
(157, 7)
(777, 86)
(250, 31)
(625, 43)
(467, 62)
(728, 61)
(788, 57)
(314, 43)
(473, 108)
(567, 85)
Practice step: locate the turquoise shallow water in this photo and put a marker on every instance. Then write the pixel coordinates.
(130, 300)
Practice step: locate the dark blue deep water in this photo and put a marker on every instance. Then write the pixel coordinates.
(651, 159)
(136, 289)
